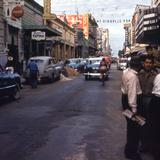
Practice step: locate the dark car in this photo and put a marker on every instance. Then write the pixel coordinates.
(92, 71)
(10, 85)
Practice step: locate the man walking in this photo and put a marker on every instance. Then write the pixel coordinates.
(33, 73)
(131, 97)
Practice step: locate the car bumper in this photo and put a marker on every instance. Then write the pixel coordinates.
(92, 74)
(7, 91)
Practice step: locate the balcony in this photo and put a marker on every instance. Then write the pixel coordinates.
(148, 26)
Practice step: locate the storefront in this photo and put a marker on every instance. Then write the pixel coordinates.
(36, 46)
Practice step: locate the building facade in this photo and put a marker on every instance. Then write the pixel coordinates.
(148, 26)
(2, 38)
(13, 12)
(88, 24)
(103, 40)
(134, 22)
(64, 45)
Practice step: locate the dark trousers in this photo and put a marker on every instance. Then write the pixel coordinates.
(133, 129)
(145, 130)
(33, 79)
(133, 138)
(154, 123)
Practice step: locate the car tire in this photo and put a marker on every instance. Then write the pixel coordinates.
(87, 77)
(52, 78)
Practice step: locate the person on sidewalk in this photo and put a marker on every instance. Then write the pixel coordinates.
(131, 97)
(154, 118)
(146, 78)
(33, 73)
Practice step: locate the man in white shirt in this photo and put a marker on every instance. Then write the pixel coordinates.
(154, 118)
(131, 96)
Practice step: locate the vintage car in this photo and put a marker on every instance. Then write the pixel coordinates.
(92, 71)
(10, 84)
(47, 67)
(122, 63)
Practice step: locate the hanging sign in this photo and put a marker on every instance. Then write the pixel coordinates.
(38, 35)
(17, 11)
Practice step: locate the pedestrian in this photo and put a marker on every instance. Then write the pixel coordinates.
(131, 97)
(146, 78)
(154, 118)
(103, 67)
(33, 73)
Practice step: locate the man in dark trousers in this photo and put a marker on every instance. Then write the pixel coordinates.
(33, 73)
(146, 78)
(154, 118)
(131, 97)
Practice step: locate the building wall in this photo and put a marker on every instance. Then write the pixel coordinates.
(103, 40)
(32, 14)
(155, 2)
(65, 47)
(1, 28)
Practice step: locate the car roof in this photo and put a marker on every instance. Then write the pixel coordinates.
(41, 57)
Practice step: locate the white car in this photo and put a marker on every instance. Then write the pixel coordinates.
(47, 67)
(122, 63)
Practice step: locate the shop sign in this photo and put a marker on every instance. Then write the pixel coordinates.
(17, 11)
(38, 35)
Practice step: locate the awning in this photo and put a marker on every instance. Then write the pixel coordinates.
(49, 31)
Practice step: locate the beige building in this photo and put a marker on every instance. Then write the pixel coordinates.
(64, 45)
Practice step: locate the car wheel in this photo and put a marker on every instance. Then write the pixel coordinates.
(16, 94)
(52, 77)
(87, 77)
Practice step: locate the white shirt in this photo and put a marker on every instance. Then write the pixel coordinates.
(131, 86)
(156, 86)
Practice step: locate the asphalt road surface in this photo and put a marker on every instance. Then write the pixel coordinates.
(71, 119)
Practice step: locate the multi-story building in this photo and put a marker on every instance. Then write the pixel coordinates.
(64, 45)
(127, 28)
(103, 40)
(81, 49)
(87, 23)
(134, 21)
(148, 26)
(36, 32)
(13, 11)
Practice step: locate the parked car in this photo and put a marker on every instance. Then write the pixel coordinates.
(122, 63)
(47, 67)
(92, 71)
(10, 84)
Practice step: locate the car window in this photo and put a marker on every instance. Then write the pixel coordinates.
(38, 61)
(123, 61)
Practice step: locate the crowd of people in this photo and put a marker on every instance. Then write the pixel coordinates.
(141, 94)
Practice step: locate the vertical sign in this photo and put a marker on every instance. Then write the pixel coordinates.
(86, 25)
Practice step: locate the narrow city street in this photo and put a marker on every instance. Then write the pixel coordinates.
(69, 119)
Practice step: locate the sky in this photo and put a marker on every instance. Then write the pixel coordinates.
(103, 11)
